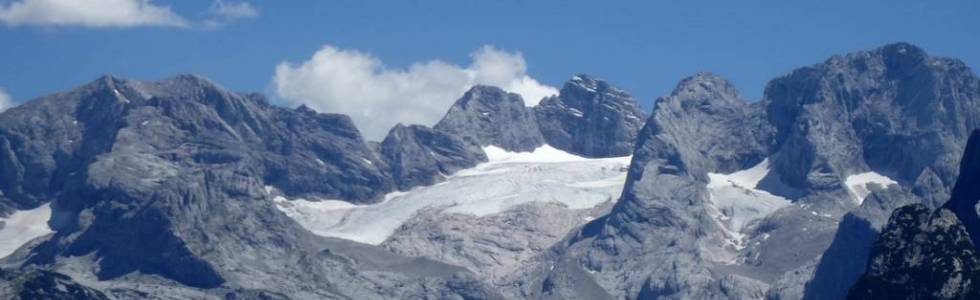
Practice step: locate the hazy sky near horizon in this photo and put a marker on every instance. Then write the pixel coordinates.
(421, 48)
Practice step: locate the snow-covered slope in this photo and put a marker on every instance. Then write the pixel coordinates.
(22, 227)
(508, 180)
(736, 201)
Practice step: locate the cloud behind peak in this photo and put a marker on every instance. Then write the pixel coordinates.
(377, 97)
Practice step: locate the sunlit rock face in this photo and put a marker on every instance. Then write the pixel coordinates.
(590, 117)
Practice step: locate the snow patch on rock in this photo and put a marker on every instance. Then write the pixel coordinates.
(22, 227)
(859, 185)
(737, 201)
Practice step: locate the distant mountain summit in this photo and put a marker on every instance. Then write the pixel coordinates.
(591, 118)
(489, 116)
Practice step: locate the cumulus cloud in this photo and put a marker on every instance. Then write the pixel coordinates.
(89, 13)
(5, 100)
(234, 10)
(222, 12)
(377, 97)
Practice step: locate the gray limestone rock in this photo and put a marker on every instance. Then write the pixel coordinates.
(418, 155)
(489, 116)
(921, 254)
(168, 179)
(589, 117)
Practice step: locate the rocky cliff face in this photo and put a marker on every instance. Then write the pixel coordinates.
(911, 113)
(659, 238)
(966, 193)
(418, 155)
(589, 117)
(894, 110)
(171, 180)
(819, 134)
(489, 116)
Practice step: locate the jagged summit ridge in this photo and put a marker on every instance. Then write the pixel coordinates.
(173, 180)
(487, 115)
(590, 117)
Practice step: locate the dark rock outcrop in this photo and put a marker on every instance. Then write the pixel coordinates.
(489, 116)
(966, 193)
(589, 117)
(921, 254)
(418, 155)
(929, 254)
(39, 284)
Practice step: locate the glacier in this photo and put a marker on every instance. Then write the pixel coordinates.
(22, 227)
(507, 180)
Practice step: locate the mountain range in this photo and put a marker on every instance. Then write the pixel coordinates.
(838, 183)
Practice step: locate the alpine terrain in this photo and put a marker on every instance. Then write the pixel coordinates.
(847, 180)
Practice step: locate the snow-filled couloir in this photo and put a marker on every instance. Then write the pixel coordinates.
(736, 200)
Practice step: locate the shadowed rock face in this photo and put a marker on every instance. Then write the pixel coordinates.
(418, 155)
(966, 193)
(921, 254)
(169, 179)
(926, 254)
(591, 118)
(44, 285)
(489, 116)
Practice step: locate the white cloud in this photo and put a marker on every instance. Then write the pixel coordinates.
(89, 13)
(233, 10)
(5, 100)
(222, 12)
(377, 97)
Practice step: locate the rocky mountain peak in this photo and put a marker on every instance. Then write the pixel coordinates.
(591, 84)
(705, 88)
(417, 155)
(490, 116)
(489, 96)
(590, 117)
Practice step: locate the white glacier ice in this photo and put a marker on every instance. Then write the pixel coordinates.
(22, 227)
(507, 180)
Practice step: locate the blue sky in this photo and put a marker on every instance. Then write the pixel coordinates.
(644, 47)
